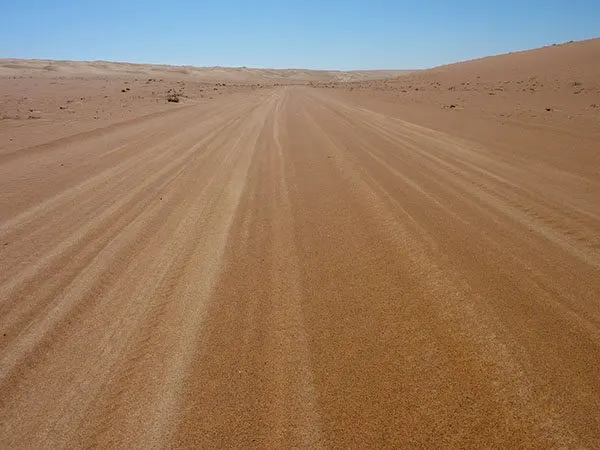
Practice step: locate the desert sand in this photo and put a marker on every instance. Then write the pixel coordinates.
(329, 261)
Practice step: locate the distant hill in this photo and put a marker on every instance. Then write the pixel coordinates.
(240, 75)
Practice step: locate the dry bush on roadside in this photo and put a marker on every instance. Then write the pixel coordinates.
(173, 96)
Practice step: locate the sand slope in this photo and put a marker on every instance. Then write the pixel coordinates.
(301, 267)
(560, 84)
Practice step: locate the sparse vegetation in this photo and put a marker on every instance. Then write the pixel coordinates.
(173, 96)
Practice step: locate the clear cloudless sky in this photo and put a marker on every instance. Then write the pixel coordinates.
(320, 34)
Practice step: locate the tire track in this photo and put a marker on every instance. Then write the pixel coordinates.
(289, 269)
(509, 198)
(127, 237)
(296, 407)
(408, 158)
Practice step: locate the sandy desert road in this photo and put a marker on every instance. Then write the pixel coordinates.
(288, 268)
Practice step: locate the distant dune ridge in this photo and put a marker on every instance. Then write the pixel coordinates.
(233, 74)
(569, 59)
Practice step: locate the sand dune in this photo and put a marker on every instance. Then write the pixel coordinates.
(208, 74)
(363, 265)
(562, 80)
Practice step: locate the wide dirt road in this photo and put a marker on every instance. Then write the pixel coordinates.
(289, 269)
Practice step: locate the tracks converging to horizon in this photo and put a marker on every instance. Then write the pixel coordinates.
(289, 268)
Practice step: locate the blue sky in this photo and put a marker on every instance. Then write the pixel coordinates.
(323, 34)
